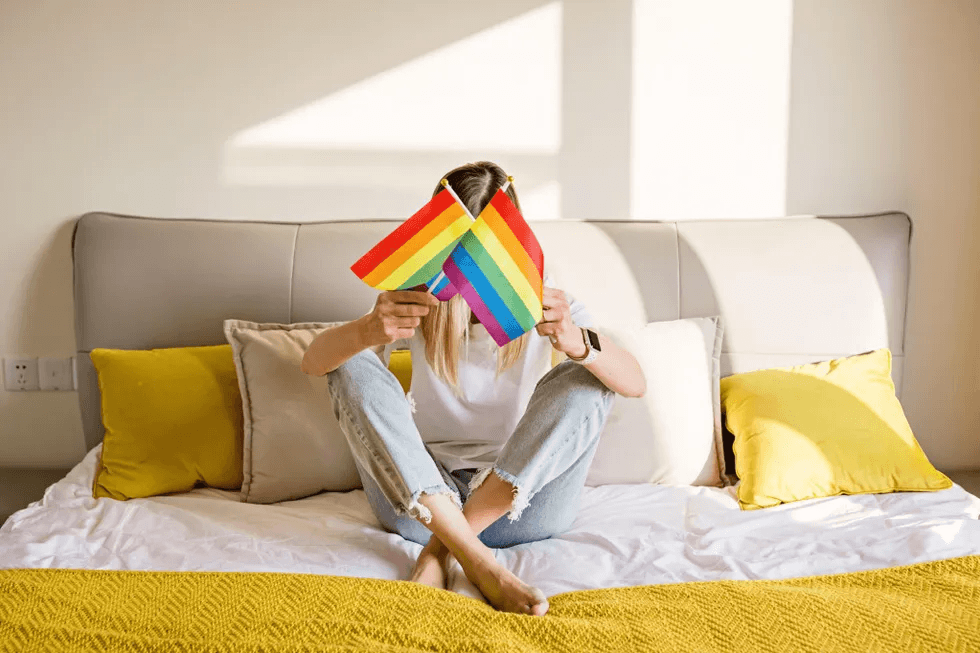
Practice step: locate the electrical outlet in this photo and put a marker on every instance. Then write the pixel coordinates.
(20, 373)
(55, 373)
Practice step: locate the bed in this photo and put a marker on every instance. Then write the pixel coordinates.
(644, 567)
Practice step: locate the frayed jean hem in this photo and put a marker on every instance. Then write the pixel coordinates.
(418, 511)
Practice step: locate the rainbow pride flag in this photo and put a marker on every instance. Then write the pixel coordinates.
(498, 269)
(413, 254)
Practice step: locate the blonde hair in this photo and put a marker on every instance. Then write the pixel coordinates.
(446, 325)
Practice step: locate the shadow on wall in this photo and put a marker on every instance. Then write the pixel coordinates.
(153, 108)
(495, 94)
(48, 288)
(451, 89)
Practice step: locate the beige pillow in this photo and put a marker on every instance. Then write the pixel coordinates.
(293, 444)
(671, 435)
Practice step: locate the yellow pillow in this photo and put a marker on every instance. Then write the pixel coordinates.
(822, 430)
(173, 420)
(400, 365)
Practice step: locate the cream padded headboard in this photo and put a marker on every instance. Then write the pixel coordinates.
(790, 290)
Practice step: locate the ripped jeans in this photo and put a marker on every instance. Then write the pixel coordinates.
(546, 459)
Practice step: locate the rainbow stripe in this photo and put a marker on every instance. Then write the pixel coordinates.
(498, 269)
(414, 252)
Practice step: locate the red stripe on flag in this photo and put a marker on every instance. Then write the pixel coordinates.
(520, 228)
(390, 244)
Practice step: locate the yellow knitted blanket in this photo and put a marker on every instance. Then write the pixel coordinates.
(926, 607)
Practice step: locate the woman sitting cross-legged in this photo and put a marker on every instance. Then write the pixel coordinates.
(492, 446)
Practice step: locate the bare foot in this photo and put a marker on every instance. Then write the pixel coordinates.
(507, 592)
(430, 568)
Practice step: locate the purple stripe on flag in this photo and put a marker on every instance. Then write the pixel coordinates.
(458, 279)
(446, 293)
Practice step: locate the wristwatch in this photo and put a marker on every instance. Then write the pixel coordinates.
(592, 348)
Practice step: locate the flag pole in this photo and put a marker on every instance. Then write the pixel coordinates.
(445, 182)
(504, 188)
(436, 282)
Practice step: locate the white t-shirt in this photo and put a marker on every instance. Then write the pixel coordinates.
(468, 430)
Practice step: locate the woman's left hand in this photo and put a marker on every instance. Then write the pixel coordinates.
(556, 323)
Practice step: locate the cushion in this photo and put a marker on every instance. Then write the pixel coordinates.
(400, 364)
(293, 444)
(822, 430)
(671, 435)
(173, 420)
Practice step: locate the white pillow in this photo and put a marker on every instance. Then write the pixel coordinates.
(671, 435)
(293, 444)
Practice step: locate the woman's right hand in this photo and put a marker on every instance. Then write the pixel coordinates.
(396, 315)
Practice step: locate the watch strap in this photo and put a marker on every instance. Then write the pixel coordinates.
(591, 353)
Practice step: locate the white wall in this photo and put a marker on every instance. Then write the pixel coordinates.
(258, 110)
(885, 113)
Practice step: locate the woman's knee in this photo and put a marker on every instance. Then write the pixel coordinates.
(356, 378)
(576, 387)
(363, 364)
(570, 373)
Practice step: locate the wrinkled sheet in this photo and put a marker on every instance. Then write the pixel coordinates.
(624, 535)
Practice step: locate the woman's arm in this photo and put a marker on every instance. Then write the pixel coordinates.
(395, 315)
(617, 368)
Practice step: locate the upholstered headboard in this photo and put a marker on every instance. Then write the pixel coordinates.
(790, 290)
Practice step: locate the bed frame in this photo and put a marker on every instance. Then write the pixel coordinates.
(790, 290)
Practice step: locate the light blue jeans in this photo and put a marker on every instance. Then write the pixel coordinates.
(546, 458)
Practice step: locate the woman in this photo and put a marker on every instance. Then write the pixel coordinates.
(473, 409)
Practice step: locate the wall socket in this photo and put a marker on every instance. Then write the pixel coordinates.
(20, 374)
(26, 373)
(56, 373)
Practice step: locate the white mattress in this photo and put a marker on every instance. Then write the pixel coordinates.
(624, 535)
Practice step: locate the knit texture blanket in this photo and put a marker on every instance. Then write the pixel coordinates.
(925, 607)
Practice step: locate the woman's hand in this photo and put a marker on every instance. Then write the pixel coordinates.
(617, 368)
(556, 323)
(396, 315)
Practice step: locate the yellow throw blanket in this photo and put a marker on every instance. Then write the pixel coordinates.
(926, 607)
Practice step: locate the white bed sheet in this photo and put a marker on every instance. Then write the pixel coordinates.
(624, 535)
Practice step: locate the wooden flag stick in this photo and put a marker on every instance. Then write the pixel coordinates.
(445, 182)
(436, 282)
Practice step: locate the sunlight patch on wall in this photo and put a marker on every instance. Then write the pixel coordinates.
(498, 89)
(710, 119)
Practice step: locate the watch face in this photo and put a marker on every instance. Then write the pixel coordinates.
(593, 339)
